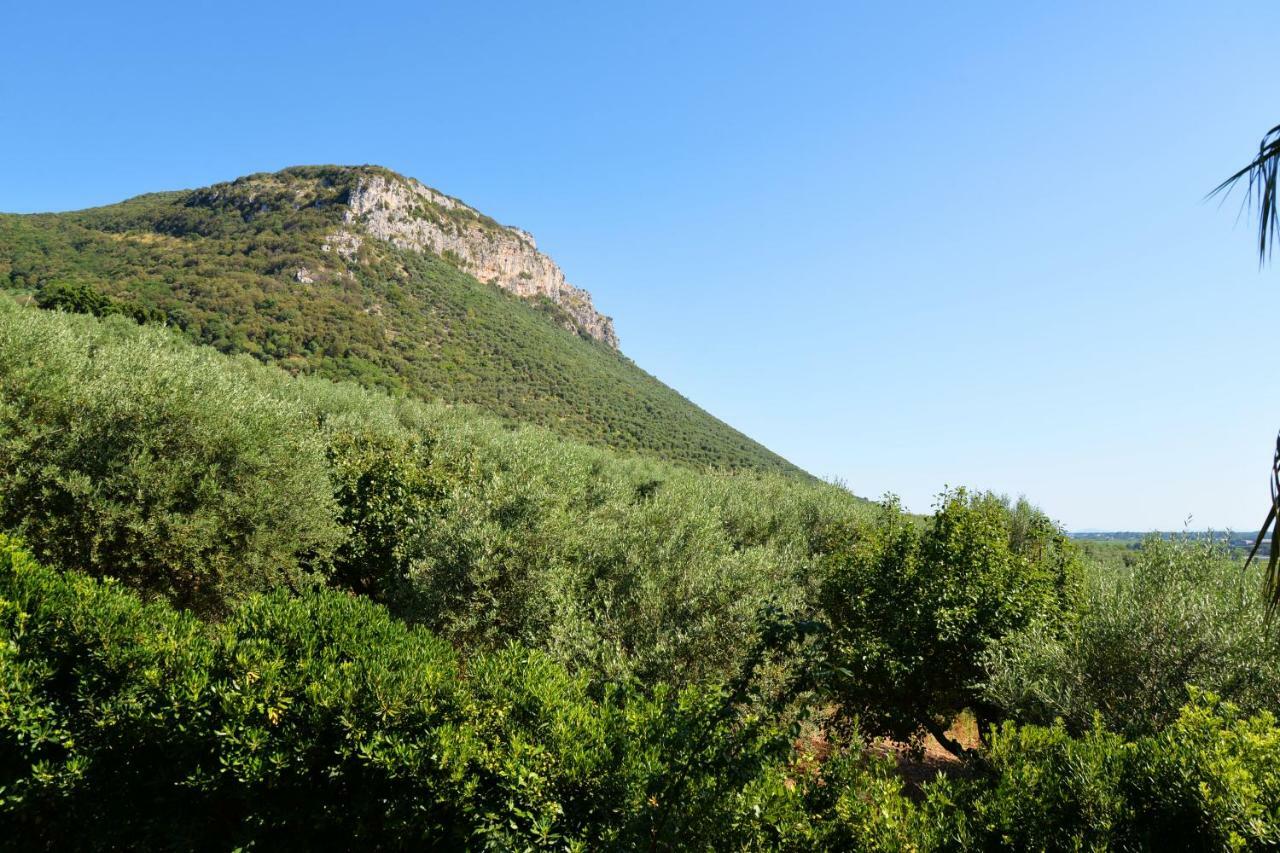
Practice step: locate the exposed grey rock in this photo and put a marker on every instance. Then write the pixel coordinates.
(344, 243)
(410, 215)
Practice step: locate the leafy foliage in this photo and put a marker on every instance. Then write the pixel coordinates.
(1181, 612)
(1211, 780)
(83, 299)
(187, 474)
(314, 721)
(299, 721)
(619, 648)
(912, 611)
(124, 452)
(1207, 782)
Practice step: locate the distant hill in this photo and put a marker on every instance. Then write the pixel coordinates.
(1139, 535)
(1241, 540)
(360, 273)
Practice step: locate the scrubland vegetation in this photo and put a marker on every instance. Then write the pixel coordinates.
(201, 479)
(240, 608)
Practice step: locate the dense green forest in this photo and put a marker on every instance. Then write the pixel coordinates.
(223, 265)
(243, 608)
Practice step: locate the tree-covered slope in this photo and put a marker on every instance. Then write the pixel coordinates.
(276, 265)
(200, 478)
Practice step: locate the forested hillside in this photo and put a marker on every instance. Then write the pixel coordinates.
(277, 266)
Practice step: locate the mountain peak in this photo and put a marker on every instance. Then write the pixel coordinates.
(382, 205)
(410, 215)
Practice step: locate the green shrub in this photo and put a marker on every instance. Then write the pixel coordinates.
(1049, 791)
(121, 453)
(387, 500)
(1181, 612)
(623, 568)
(81, 298)
(312, 721)
(911, 611)
(1209, 781)
(855, 800)
(76, 298)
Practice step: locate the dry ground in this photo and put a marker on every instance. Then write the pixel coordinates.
(935, 760)
(915, 767)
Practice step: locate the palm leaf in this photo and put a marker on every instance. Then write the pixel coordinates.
(1259, 177)
(1271, 586)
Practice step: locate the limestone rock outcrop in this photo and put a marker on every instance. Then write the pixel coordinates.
(409, 215)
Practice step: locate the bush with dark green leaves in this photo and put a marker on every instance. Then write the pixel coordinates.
(1208, 781)
(912, 609)
(305, 722)
(81, 298)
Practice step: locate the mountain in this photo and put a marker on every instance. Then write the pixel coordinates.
(356, 272)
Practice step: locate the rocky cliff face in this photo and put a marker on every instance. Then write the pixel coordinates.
(410, 215)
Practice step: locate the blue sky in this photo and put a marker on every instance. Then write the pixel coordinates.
(905, 245)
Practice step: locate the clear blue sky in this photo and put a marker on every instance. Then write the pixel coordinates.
(905, 245)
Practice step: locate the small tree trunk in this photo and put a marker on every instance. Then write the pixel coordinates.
(941, 736)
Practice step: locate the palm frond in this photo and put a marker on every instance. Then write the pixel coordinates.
(1260, 194)
(1271, 585)
(1261, 174)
